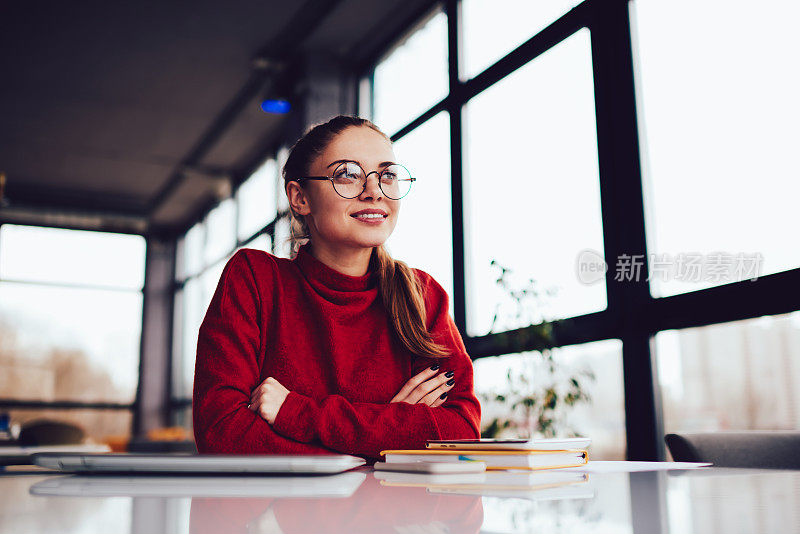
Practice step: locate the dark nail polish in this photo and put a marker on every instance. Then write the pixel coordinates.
(434, 367)
(451, 381)
(448, 374)
(443, 395)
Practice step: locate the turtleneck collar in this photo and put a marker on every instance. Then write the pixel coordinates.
(317, 272)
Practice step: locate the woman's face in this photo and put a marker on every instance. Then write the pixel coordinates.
(329, 216)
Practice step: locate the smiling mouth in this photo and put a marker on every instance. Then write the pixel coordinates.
(370, 216)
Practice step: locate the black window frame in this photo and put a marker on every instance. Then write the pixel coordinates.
(632, 314)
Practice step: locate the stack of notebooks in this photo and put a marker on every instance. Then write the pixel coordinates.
(499, 454)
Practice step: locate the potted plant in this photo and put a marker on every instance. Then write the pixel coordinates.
(539, 393)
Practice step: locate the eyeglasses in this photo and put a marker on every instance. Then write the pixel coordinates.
(349, 180)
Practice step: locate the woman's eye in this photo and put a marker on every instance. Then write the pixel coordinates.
(344, 176)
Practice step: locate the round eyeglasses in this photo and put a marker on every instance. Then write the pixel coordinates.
(349, 180)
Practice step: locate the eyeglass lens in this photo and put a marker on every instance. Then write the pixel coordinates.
(349, 179)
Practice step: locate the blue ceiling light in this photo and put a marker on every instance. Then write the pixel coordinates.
(277, 106)
(278, 85)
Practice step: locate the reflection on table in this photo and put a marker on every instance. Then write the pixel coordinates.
(709, 500)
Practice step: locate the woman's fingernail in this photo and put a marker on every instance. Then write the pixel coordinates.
(434, 367)
(443, 395)
(451, 381)
(448, 374)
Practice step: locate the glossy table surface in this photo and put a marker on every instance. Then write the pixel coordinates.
(685, 501)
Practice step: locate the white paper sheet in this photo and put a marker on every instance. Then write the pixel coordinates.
(630, 467)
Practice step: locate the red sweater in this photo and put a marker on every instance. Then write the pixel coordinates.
(327, 338)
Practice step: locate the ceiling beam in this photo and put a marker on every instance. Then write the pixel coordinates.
(74, 219)
(279, 49)
(23, 195)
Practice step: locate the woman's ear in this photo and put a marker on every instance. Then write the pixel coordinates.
(298, 198)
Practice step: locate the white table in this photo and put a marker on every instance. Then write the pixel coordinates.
(694, 501)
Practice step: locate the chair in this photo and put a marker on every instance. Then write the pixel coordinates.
(46, 432)
(757, 448)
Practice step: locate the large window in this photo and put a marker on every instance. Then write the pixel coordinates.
(398, 94)
(560, 160)
(423, 236)
(493, 28)
(256, 199)
(202, 253)
(530, 189)
(596, 367)
(70, 321)
(719, 118)
(531, 186)
(743, 375)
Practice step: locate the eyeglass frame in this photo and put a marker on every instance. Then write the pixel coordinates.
(366, 179)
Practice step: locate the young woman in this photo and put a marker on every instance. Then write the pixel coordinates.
(342, 348)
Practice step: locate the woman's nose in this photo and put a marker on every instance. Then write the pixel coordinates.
(372, 188)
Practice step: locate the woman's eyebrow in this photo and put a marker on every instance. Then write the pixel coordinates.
(382, 164)
(332, 163)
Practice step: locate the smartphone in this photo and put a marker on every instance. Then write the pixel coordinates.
(554, 444)
(432, 467)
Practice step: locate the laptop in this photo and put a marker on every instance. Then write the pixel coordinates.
(197, 463)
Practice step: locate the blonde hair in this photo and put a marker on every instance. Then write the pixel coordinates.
(400, 288)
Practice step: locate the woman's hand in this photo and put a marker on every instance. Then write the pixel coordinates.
(427, 388)
(267, 399)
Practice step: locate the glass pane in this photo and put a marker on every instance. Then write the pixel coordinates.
(740, 375)
(597, 367)
(193, 313)
(283, 201)
(721, 115)
(179, 384)
(256, 199)
(532, 193)
(180, 258)
(193, 301)
(261, 242)
(282, 245)
(423, 235)
(413, 77)
(210, 279)
(220, 226)
(193, 246)
(494, 28)
(83, 345)
(54, 255)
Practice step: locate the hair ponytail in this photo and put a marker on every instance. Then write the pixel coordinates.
(402, 296)
(399, 287)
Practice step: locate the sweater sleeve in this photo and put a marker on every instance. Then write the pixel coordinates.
(365, 429)
(227, 370)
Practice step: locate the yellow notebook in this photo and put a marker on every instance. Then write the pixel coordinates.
(505, 459)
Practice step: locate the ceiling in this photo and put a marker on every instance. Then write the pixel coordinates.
(141, 111)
